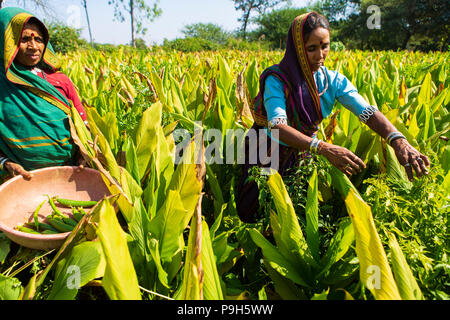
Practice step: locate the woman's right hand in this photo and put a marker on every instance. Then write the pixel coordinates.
(342, 158)
(16, 169)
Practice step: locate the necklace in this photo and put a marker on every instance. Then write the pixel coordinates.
(36, 70)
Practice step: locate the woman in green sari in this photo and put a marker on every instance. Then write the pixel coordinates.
(35, 99)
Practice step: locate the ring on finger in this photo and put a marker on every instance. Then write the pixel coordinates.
(407, 165)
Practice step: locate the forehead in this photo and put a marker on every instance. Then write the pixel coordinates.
(31, 28)
(319, 35)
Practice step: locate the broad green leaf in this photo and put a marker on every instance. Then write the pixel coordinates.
(10, 288)
(111, 163)
(132, 163)
(291, 240)
(168, 226)
(225, 77)
(84, 263)
(252, 80)
(425, 92)
(312, 216)
(339, 245)
(212, 289)
(407, 284)
(285, 287)
(159, 88)
(153, 246)
(107, 124)
(146, 135)
(375, 272)
(120, 280)
(184, 180)
(276, 260)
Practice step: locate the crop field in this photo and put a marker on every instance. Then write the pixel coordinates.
(170, 230)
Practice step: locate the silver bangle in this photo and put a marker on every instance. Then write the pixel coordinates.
(314, 145)
(277, 121)
(367, 113)
(394, 136)
(2, 162)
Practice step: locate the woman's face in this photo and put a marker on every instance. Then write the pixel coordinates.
(317, 47)
(31, 46)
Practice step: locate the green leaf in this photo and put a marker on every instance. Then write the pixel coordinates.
(252, 79)
(168, 226)
(10, 288)
(407, 284)
(312, 216)
(225, 78)
(107, 124)
(425, 92)
(285, 287)
(212, 289)
(120, 280)
(290, 241)
(276, 260)
(84, 263)
(4, 247)
(339, 245)
(146, 136)
(132, 161)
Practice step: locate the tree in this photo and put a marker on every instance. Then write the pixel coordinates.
(206, 31)
(404, 24)
(274, 25)
(84, 4)
(138, 11)
(64, 38)
(249, 6)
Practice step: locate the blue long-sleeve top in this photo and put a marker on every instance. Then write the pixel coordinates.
(339, 88)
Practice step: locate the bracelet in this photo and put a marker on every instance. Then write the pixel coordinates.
(314, 145)
(394, 136)
(277, 121)
(367, 113)
(2, 162)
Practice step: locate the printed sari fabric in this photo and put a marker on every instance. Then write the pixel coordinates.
(34, 123)
(303, 110)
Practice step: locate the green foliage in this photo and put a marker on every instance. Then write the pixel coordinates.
(419, 219)
(65, 39)
(414, 25)
(249, 6)
(206, 31)
(190, 45)
(274, 25)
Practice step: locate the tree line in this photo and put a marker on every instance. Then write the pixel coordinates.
(356, 24)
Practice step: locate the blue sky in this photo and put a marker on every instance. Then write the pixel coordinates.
(175, 15)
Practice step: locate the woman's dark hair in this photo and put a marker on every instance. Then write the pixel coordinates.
(314, 21)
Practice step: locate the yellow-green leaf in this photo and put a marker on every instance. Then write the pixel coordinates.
(120, 280)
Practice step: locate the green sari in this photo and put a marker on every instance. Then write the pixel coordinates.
(34, 115)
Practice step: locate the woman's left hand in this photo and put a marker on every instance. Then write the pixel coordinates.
(411, 159)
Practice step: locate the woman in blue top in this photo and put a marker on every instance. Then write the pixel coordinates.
(296, 95)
